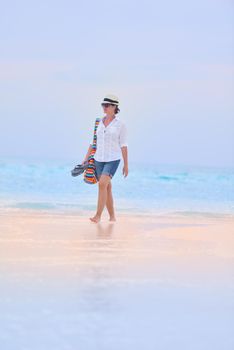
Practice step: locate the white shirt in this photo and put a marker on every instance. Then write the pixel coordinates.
(110, 139)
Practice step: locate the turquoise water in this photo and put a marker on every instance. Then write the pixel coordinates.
(48, 185)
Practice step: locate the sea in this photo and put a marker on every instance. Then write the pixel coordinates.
(47, 185)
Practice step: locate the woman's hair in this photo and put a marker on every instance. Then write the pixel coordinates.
(117, 110)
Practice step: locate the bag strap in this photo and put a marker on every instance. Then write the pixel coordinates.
(97, 121)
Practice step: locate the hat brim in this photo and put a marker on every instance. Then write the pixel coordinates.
(109, 103)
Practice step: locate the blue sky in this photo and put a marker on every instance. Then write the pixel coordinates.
(170, 63)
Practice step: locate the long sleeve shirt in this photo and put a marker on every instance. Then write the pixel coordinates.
(110, 139)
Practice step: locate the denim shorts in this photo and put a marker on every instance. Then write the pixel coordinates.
(106, 168)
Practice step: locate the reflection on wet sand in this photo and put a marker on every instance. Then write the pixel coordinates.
(105, 231)
(139, 283)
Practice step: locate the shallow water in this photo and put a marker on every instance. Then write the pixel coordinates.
(48, 185)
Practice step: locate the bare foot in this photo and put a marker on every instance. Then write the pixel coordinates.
(95, 218)
(112, 218)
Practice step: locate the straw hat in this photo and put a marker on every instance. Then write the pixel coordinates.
(111, 99)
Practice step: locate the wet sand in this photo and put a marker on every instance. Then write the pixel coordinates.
(143, 282)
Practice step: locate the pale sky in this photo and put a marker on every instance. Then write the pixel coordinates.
(169, 62)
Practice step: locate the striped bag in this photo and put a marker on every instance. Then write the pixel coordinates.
(90, 176)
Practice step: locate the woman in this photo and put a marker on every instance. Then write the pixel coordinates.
(111, 144)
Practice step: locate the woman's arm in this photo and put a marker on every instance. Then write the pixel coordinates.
(124, 150)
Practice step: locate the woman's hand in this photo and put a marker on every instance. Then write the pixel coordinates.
(125, 170)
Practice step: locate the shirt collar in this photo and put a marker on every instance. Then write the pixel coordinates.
(116, 118)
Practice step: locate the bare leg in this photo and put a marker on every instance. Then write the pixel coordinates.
(110, 202)
(102, 197)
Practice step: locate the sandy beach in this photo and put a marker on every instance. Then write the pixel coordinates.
(152, 282)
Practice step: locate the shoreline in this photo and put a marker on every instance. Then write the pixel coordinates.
(120, 213)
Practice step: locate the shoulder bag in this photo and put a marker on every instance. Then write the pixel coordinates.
(90, 176)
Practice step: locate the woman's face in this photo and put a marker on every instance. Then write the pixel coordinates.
(108, 108)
